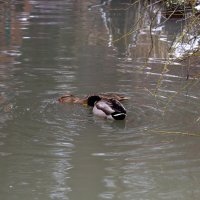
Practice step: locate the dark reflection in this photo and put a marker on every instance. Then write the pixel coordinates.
(173, 31)
(120, 17)
(128, 23)
(13, 18)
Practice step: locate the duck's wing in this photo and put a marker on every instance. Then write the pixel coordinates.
(105, 106)
(117, 106)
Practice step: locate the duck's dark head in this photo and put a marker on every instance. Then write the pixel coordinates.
(93, 99)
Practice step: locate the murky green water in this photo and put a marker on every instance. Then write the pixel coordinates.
(61, 151)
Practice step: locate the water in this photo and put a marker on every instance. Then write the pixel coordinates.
(61, 151)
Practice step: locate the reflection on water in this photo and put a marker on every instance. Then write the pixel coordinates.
(61, 151)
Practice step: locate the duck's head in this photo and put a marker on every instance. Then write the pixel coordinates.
(93, 99)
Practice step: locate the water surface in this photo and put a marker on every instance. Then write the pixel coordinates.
(61, 151)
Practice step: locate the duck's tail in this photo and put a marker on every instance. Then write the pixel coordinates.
(118, 115)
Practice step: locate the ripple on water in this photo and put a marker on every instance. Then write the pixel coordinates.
(148, 164)
(64, 118)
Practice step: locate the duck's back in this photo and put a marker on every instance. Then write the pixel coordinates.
(117, 106)
(104, 106)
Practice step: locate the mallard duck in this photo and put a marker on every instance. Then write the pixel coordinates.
(107, 108)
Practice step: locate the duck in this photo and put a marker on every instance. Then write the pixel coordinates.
(69, 98)
(107, 108)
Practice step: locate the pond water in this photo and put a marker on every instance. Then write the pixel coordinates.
(61, 151)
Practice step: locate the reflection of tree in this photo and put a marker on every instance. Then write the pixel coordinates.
(11, 27)
(134, 29)
(11, 24)
(119, 19)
